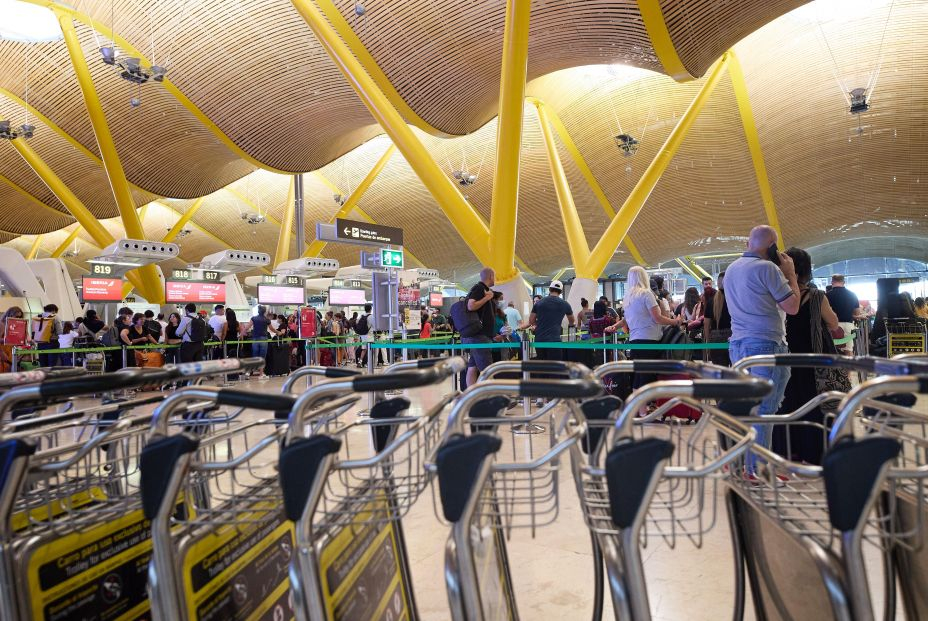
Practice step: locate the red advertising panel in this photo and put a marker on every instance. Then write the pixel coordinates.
(95, 289)
(15, 332)
(436, 299)
(347, 297)
(280, 294)
(307, 322)
(183, 291)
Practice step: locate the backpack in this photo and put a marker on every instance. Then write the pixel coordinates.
(110, 337)
(466, 322)
(362, 327)
(153, 328)
(46, 331)
(197, 329)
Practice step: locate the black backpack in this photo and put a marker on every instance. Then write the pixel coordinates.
(197, 329)
(466, 322)
(362, 327)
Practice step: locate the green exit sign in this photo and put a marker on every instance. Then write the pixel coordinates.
(391, 258)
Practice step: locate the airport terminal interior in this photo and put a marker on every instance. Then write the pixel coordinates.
(387, 310)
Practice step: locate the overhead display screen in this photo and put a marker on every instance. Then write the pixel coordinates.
(183, 291)
(280, 294)
(436, 299)
(96, 289)
(347, 297)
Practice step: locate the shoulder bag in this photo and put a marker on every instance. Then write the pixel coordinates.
(826, 378)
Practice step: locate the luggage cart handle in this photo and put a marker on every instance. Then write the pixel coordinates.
(571, 369)
(669, 367)
(216, 367)
(408, 365)
(866, 392)
(310, 371)
(559, 389)
(255, 400)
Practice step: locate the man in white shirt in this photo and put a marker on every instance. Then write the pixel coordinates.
(216, 322)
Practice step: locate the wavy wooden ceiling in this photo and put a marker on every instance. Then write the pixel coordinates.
(254, 69)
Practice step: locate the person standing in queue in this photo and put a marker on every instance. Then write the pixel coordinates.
(761, 289)
(192, 330)
(546, 319)
(480, 301)
(259, 325)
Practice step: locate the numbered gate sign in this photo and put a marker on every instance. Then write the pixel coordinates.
(391, 258)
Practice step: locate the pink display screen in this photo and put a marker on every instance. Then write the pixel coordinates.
(182, 291)
(280, 294)
(436, 299)
(101, 289)
(347, 297)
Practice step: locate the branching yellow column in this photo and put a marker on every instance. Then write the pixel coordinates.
(34, 249)
(462, 216)
(750, 134)
(286, 228)
(316, 247)
(63, 246)
(183, 220)
(576, 239)
(151, 285)
(73, 204)
(617, 230)
(505, 206)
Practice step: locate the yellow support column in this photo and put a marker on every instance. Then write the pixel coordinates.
(75, 207)
(151, 286)
(462, 216)
(316, 247)
(286, 228)
(183, 220)
(591, 180)
(653, 17)
(573, 228)
(750, 134)
(34, 249)
(63, 246)
(687, 268)
(697, 268)
(617, 230)
(505, 206)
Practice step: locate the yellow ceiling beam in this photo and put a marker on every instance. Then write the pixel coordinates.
(63, 246)
(64, 9)
(587, 173)
(573, 228)
(700, 273)
(344, 30)
(504, 208)
(317, 246)
(753, 139)
(286, 227)
(604, 250)
(653, 17)
(686, 268)
(34, 248)
(151, 287)
(462, 215)
(175, 230)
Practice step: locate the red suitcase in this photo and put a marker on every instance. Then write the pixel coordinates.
(683, 412)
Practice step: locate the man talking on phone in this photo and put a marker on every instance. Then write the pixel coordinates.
(761, 289)
(480, 301)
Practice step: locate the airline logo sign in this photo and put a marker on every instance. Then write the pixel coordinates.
(196, 292)
(364, 232)
(96, 289)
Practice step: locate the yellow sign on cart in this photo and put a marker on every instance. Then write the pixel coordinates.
(905, 343)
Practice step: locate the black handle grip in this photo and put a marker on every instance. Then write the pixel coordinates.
(89, 384)
(730, 389)
(560, 389)
(394, 381)
(428, 363)
(544, 366)
(923, 384)
(661, 366)
(255, 400)
(341, 372)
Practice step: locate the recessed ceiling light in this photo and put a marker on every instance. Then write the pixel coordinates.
(26, 22)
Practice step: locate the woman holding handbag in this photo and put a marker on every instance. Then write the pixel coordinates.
(136, 334)
(809, 331)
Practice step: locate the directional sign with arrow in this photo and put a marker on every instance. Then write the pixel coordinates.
(364, 232)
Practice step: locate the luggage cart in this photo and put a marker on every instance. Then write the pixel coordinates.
(798, 532)
(904, 336)
(638, 480)
(73, 536)
(483, 491)
(351, 560)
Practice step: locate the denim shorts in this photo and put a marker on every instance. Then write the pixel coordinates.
(480, 358)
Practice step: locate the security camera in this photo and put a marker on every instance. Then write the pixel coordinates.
(109, 55)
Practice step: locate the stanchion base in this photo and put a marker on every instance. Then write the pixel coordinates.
(528, 429)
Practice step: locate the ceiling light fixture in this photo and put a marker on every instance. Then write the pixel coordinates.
(7, 132)
(339, 199)
(465, 178)
(627, 144)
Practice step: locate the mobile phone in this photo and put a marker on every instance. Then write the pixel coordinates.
(773, 254)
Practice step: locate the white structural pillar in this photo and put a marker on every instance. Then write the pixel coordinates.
(516, 291)
(582, 288)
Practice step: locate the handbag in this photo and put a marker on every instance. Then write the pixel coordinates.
(149, 358)
(826, 378)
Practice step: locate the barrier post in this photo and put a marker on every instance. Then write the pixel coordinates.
(369, 347)
(13, 359)
(124, 358)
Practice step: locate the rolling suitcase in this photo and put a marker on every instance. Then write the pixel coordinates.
(278, 359)
(681, 411)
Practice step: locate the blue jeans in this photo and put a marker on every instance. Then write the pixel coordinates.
(259, 350)
(742, 348)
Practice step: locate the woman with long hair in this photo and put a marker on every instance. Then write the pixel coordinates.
(643, 320)
(171, 338)
(717, 328)
(231, 332)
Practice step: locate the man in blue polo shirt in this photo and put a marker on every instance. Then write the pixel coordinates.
(760, 293)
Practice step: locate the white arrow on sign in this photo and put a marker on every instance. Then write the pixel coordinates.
(347, 231)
